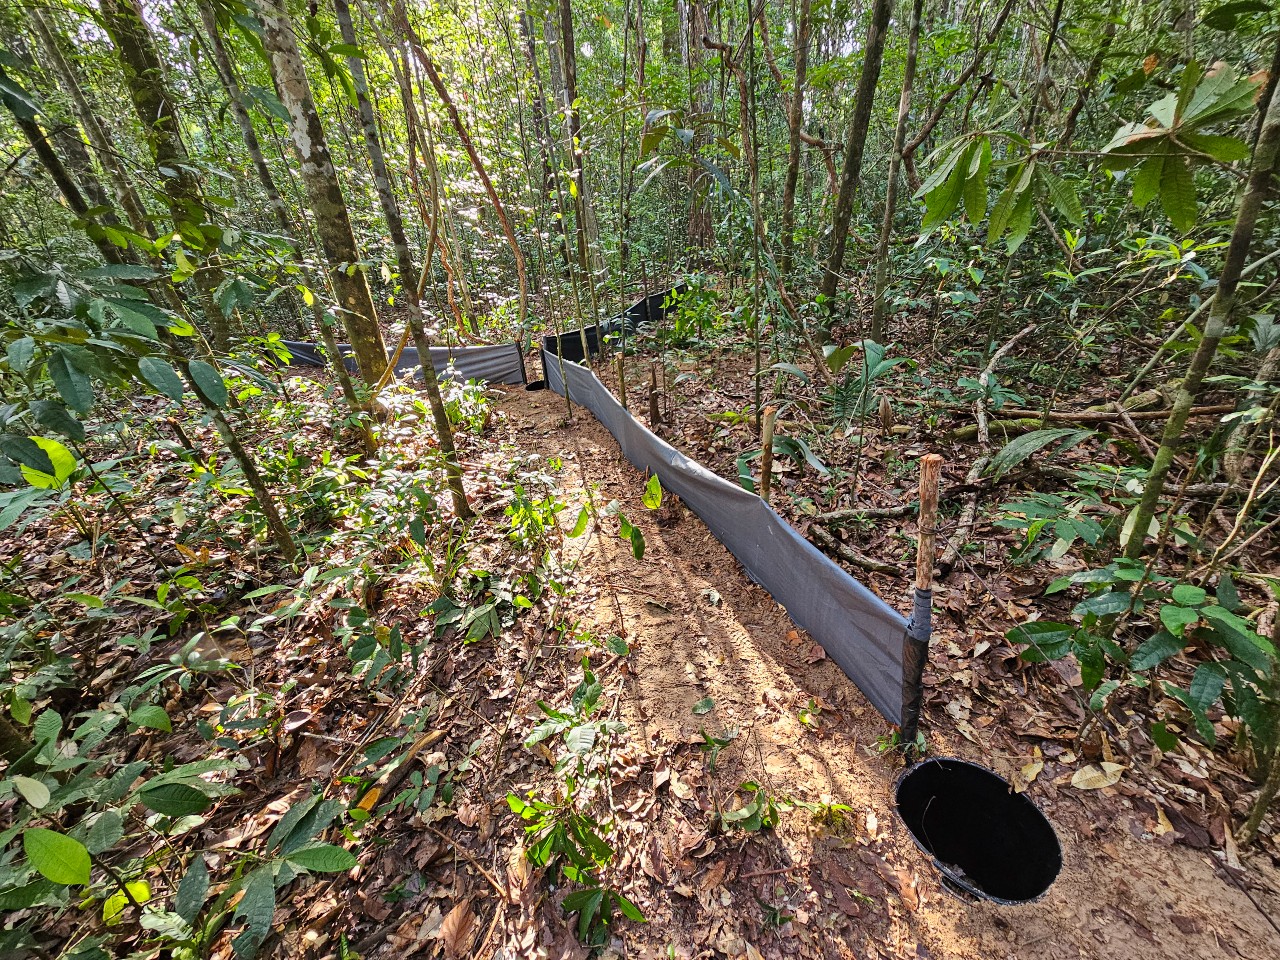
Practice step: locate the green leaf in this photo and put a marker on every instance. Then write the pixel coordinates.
(192, 890)
(580, 525)
(256, 908)
(1020, 221)
(58, 857)
(1155, 650)
(20, 354)
(1189, 595)
(174, 799)
(1146, 184)
(975, 184)
(652, 493)
(60, 458)
(1239, 638)
(1061, 194)
(1176, 619)
(1003, 210)
(1222, 149)
(581, 739)
(323, 858)
(1206, 686)
(629, 909)
(703, 707)
(73, 386)
(106, 832)
(114, 906)
(942, 200)
(162, 376)
(151, 716)
(1021, 448)
(54, 416)
(209, 382)
(32, 791)
(1178, 193)
(136, 321)
(1165, 738)
(1046, 640)
(637, 543)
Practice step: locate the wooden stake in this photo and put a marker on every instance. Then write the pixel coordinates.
(655, 412)
(930, 473)
(622, 380)
(766, 452)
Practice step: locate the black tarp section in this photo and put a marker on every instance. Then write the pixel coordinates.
(500, 363)
(646, 311)
(858, 630)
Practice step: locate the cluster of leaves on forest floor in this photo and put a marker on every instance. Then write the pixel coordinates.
(1005, 672)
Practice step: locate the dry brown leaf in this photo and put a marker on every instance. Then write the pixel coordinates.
(1095, 776)
(1027, 775)
(906, 884)
(456, 931)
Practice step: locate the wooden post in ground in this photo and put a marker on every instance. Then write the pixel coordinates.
(915, 646)
(766, 452)
(622, 379)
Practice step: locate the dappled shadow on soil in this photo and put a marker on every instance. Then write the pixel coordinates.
(713, 653)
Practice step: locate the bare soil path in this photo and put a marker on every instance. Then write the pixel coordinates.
(852, 885)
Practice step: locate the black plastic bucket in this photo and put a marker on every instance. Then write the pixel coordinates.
(986, 840)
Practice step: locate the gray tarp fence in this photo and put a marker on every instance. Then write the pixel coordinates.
(500, 363)
(858, 630)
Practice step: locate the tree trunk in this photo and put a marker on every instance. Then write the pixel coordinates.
(695, 27)
(795, 121)
(121, 183)
(584, 206)
(404, 263)
(324, 192)
(1251, 201)
(235, 98)
(895, 163)
(542, 126)
(154, 105)
(855, 145)
(1090, 79)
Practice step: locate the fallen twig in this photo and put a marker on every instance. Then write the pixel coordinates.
(823, 539)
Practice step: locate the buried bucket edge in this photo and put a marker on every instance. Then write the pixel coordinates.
(985, 840)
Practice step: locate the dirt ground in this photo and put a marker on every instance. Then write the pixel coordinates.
(852, 886)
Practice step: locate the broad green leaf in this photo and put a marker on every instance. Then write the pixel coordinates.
(1223, 149)
(637, 543)
(162, 376)
(61, 459)
(20, 354)
(256, 909)
(703, 706)
(580, 525)
(106, 832)
(1021, 448)
(135, 320)
(1155, 650)
(114, 906)
(58, 857)
(1178, 193)
(209, 382)
(73, 386)
(323, 858)
(1206, 686)
(1003, 209)
(151, 716)
(192, 890)
(54, 415)
(1020, 221)
(975, 184)
(32, 791)
(581, 739)
(652, 493)
(174, 799)
(1061, 194)
(1146, 184)
(1189, 595)
(1176, 619)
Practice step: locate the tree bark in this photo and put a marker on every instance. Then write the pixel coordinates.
(895, 164)
(324, 192)
(795, 120)
(1250, 206)
(404, 263)
(235, 98)
(695, 27)
(108, 156)
(856, 144)
(1090, 79)
(154, 105)
(584, 207)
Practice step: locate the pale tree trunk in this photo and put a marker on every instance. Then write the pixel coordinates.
(1254, 195)
(542, 126)
(108, 155)
(154, 105)
(235, 98)
(795, 121)
(324, 192)
(404, 263)
(895, 164)
(855, 145)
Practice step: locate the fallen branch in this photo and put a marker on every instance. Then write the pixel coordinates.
(1024, 421)
(824, 540)
(855, 514)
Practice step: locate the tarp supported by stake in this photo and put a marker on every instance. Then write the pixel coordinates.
(858, 630)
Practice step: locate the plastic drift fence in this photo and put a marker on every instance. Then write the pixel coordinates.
(500, 363)
(858, 630)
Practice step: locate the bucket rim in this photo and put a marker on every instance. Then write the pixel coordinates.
(949, 877)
